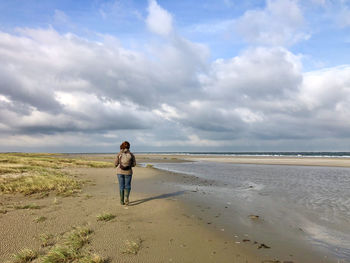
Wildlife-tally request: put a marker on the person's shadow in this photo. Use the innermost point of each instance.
(162, 196)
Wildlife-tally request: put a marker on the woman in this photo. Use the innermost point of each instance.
(124, 162)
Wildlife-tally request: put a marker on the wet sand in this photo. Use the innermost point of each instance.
(277, 160)
(250, 233)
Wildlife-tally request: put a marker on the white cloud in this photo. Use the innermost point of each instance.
(280, 23)
(159, 20)
(56, 88)
(257, 73)
(326, 89)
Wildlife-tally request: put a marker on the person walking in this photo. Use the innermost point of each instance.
(124, 162)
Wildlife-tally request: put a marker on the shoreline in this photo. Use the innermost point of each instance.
(263, 160)
(225, 214)
(170, 224)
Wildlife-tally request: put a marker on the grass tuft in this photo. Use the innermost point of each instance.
(132, 247)
(46, 240)
(60, 254)
(78, 238)
(71, 250)
(24, 256)
(105, 217)
(149, 165)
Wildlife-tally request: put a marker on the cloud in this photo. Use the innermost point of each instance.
(55, 84)
(280, 23)
(60, 83)
(159, 20)
(62, 92)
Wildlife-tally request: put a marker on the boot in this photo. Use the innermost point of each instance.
(127, 193)
(121, 192)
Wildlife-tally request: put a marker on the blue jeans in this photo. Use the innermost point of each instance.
(124, 181)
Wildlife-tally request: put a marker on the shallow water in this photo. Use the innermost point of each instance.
(315, 200)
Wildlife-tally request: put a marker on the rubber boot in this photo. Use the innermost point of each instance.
(127, 193)
(121, 192)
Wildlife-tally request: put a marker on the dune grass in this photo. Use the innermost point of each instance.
(105, 217)
(132, 247)
(46, 240)
(24, 256)
(41, 173)
(71, 249)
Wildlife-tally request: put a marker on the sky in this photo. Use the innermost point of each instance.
(209, 75)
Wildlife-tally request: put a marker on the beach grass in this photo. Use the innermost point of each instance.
(46, 240)
(105, 217)
(24, 256)
(41, 174)
(71, 249)
(78, 238)
(132, 247)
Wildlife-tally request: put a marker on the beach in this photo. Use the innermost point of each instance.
(164, 222)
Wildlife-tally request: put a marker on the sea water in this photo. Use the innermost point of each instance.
(315, 200)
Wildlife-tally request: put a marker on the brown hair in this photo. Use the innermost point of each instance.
(125, 145)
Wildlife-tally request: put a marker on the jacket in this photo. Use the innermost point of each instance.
(116, 163)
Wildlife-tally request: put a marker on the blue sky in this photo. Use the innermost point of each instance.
(175, 75)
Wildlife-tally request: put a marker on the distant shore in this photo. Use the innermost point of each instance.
(269, 160)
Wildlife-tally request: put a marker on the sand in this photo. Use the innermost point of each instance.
(161, 220)
(268, 160)
(156, 220)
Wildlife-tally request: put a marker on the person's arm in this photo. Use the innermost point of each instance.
(116, 162)
(133, 161)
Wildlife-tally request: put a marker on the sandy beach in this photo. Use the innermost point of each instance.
(162, 223)
(156, 224)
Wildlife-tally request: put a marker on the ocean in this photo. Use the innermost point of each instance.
(308, 203)
(286, 154)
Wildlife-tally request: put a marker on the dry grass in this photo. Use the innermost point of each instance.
(25, 161)
(71, 249)
(41, 184)
(68, 250)
(47, 240)
(40, 174)
(78, 238)
(105, 217)
(24, 256)
(132, 247)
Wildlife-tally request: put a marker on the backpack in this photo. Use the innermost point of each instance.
(125, 161)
